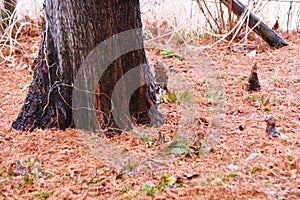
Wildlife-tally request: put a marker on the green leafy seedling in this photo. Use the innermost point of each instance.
(219, 183)
(29, 162)
(170, 97)
(242, 78)
(161, 186)
(171, 54)
(124, 190)
(265, 101)
(27, 179)
(147, 140)
(179, 147)
(255, 168)
(232, 174)
(149, 188)
(136, 195)
(11, 172)
(186, 96)
(269, 183)
(252, 98)
(168, 179)
(42, 194)
(150, 191)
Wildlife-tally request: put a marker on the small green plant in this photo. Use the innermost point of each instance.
(120, 175)
(11, 172)
(291, 158)
(232, 174)
(166, 181)
(125, 190)
(255, 168)
(161, 186)
(179, 146)
(207, 95)
(180, 97)
(149, 188)
(168, 53)
(242, 78)
(252, 98)
(42, 194)
(186, 96)
(2, 195)
(178, 61)
(150, 191)
(265, 101)
(94, 179)
(30, 170)
(169, 97)
(269, 183)
(218, 179)
(147, 140)
(169, 180)
(298, 193)
(251, 144)
(221, 177)
(136, 195)
(27, 179)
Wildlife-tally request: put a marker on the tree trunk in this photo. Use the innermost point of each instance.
(71, 33)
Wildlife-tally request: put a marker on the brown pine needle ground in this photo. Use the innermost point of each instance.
(245, 164)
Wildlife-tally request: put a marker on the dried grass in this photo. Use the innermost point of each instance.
(169, 18)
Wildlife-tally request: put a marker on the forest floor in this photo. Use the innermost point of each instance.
(245, 162)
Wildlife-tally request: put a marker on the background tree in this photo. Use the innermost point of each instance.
(71, 30)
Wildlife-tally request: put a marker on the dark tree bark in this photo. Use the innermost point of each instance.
(71, 31)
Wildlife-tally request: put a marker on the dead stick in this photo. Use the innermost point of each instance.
(265, 32)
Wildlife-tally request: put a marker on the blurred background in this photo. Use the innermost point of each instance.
(193, 15)
(168, 19)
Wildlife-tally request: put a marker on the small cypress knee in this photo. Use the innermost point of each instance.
(253, 81)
